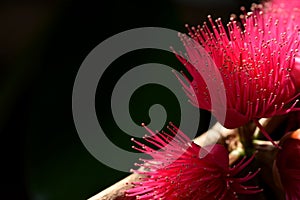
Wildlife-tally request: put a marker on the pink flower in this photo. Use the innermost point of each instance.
(184, 170)
(255, 60)
(288, 11)
(289, 6)
(287, 165)
(295, 73)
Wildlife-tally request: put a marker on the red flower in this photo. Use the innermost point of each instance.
(184, 170)
(289, 11)
(287, 165)
(292, 5)
(255, 60)
(295, 73)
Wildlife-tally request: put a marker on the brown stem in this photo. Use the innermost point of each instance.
(246, 133)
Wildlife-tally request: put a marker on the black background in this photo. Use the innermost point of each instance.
(42, 45)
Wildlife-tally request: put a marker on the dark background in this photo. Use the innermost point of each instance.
(42, 45)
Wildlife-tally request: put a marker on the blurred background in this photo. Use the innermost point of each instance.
(42, 45)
